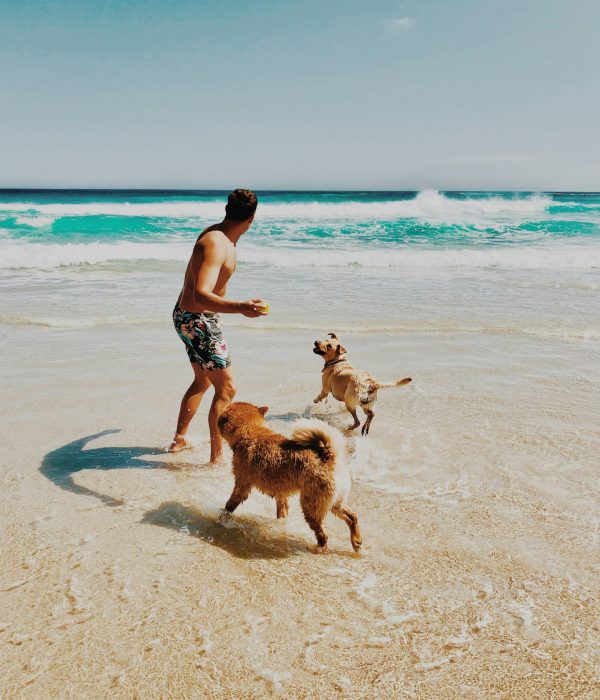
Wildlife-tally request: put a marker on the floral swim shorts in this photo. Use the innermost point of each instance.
(203, 338)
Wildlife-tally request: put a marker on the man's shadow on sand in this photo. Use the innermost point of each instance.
(243, 537)
(60, 464)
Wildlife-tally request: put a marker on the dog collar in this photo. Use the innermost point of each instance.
(329, 363)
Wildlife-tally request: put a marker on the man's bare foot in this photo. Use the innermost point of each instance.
(179, 443)
(217, 460)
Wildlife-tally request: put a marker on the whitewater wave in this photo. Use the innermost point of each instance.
(18, 255)
(559, 257)
(46, 256)
(36, 221)
(430, 205)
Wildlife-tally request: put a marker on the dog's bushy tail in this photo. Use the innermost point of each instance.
(389, 385)
(330, 446)
(321, 437)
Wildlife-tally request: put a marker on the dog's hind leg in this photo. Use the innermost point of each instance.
(314, 510)
(356, 421)
(350, 401)
(370, 413)
(282, 507)
(351, 520)
(317, 527)
(239, 495)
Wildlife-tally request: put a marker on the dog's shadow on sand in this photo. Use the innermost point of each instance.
(241, 536)
(60, 464)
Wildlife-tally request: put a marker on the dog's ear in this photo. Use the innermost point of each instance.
(332, 335)
(262, 410)
(339, 350)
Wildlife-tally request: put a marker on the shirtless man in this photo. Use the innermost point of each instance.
(197, 317)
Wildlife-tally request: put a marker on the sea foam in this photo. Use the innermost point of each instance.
(551, 256)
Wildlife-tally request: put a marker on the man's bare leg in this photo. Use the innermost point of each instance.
(189, 405)
(222, 380)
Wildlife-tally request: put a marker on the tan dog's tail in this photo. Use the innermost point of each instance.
(389, 385)
(324, 439)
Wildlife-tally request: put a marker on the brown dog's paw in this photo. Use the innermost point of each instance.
(321, 549)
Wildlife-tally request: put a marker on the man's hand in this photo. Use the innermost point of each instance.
(252, 308)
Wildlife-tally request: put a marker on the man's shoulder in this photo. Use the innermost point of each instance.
(213, 245)
(212, 238)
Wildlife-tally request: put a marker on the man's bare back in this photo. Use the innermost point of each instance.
(212, 263)
(212, 246)
(197, 316)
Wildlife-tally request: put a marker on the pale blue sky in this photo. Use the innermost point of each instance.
(348, 94)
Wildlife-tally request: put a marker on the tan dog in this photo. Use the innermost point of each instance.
(311, 462)
(352, 386)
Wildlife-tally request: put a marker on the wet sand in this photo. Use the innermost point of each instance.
(476, 492)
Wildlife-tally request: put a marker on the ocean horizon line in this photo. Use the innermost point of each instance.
(142, 191)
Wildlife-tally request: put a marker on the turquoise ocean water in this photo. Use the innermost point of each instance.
(362, 222)
(381, 259)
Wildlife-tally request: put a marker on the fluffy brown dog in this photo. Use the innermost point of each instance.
(311, 462)
(352, 386)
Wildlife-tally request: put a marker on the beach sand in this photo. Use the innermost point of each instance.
(476, 493)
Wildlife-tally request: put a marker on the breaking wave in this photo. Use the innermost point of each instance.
(430, 205)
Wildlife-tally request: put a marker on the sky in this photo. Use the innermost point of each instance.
(310, 94)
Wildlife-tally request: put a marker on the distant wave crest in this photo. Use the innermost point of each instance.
(429, 205)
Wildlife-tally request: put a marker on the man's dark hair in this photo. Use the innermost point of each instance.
(241, 205)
